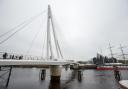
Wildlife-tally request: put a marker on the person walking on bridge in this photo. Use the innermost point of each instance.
(5, 55)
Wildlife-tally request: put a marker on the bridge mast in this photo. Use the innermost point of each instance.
(49, 46)
(48, 35)
(49, 43)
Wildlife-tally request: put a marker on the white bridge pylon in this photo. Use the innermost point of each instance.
(52, 42)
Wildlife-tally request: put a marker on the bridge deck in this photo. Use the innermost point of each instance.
(7, 62)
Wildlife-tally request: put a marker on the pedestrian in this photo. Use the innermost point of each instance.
(20, 57)
(116, 73)
(5, 55)
(12, 56)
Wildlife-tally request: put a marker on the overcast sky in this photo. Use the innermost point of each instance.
(84, 27)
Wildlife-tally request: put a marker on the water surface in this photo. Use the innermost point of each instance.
(28, 78)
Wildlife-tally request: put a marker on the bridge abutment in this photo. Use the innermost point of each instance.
(55, 71)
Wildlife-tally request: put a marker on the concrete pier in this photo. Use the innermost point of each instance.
(55, 71)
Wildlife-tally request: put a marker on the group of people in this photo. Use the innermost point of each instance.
(6, 56)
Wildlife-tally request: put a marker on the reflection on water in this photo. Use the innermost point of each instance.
(54, 85)
(5, 73)
(28, 78)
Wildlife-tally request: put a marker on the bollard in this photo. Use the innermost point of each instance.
(79, 75)
(43, 74)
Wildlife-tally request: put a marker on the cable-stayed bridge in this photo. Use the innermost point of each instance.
(51, 48)
(52, 56)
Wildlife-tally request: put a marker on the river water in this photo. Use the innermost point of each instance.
(28, 78)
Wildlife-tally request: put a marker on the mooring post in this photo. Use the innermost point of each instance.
(43, 74)
(55, 71)
(79, 75)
